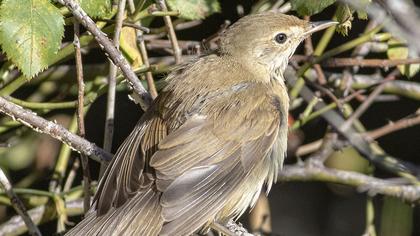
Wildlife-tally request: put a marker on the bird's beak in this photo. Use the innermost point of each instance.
(319, 25)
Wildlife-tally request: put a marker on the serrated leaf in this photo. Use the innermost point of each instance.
(310, 7)
(194, 9)
(97, 8)
(30, 33)
(344, 15)
(399, 50)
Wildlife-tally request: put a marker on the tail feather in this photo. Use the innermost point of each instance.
(139, 216)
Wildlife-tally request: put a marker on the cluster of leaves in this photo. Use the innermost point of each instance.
(344, 12)
(31, 30)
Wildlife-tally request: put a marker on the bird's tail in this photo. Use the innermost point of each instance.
(139, 216)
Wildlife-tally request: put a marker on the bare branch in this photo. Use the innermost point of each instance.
(80, 114)
(113, 53)
(362, 145)
(342, 62)
(171, 32)
(363, 183)
(56, 131)
(394, 126)
(41, 214)
(18, 205)
(366, 104)
(144, 56)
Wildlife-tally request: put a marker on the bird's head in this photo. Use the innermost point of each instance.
(268, 38)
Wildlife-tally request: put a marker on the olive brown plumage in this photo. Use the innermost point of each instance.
(211, 140)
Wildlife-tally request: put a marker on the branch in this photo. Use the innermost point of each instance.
(80, 114)
(41, 214)
(368, 150)
(56, 131)
(362, 182)
(394, 126)
(113, 53)
(112, 84)
(399, 17)
(343, 62)
(144, 56)
(171, 32)
(368, 102)
(18, 205)
(404, 88)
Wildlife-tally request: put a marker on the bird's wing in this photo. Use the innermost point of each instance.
(125, 176)
(199, 165)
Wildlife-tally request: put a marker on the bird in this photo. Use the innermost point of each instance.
(210, 143)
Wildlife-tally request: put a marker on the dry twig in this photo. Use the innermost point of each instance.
(113, 53)
(18, 205)
(171, 32)
(80, 115)
(56, 131)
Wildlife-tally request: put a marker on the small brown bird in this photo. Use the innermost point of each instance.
(211, 140)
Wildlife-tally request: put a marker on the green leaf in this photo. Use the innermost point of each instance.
(194, 9)
(345, 17)
(97, 8)
(399, 50)
(361, 12)
(310, 7)
(30, 33)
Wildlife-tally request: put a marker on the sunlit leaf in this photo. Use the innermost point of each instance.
(194, 9)
(344, 15)
(30, 33)
(399, 50)
(311, 7)
(97, 8)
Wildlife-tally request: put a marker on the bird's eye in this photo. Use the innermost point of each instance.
(281, 38)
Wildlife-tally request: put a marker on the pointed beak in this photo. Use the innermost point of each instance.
(319, 25)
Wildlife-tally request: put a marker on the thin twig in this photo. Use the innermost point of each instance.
(171, 32)
(144, 56)
(372, 135)
(326, 148)
(80, 115)
(394, 126)
(112, 84)
(409, 89)
(309, 50)
(39, 124)
(342, 62)
(365, 105)
(111, 50)
(128, 24)
(18, 204)
(364, 183)
(362, 145)
(399, 17)
(41, 214)
(71, 176)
